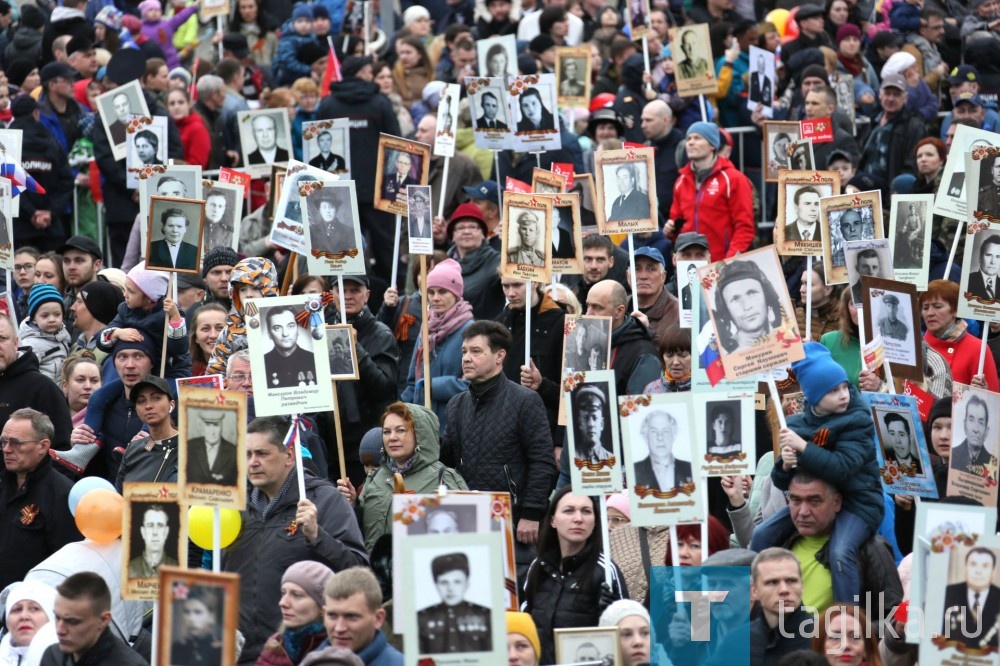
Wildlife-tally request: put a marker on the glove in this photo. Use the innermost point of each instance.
(608, 597)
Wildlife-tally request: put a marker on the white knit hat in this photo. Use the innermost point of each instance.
(620, 610)
(42, 594)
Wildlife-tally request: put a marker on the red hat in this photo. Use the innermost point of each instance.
(601, 101)
(467, 211)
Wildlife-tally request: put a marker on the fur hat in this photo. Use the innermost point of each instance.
(447, 275)
(151, 283)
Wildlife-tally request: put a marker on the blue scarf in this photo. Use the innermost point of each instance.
(301, 641)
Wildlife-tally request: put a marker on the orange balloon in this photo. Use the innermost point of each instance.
(99, 515)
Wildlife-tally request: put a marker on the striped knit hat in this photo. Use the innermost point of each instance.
(43, 293)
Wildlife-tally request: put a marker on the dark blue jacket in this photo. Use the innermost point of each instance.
(150, 324)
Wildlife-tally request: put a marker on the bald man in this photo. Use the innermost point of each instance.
(658, 128)
(633, 354)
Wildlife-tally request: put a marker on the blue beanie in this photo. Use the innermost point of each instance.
(370, 450)
(818, 373)
(40, 294)
(302, 10)
(707, 130)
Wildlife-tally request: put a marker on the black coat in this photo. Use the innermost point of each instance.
(370, 113)
(109, 649)
(44, 160)
(148, 465)
(907, 129)
(22, 385)
(501, 442)
(34, 520)
(767, 645)
(665, 163)
(633, 358)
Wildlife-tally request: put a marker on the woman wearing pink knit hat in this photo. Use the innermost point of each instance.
(448, 315)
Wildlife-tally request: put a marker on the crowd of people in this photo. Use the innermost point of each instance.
(92, 340)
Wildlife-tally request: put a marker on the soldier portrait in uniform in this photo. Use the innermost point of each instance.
(154, 538)
(890, 324)
(908, 242)
(747, 308)
(761, 88)
(211, 458)
(325, 158)
(693, 64)
(400, 176)
(989, 188)
(220, 213)
(592, 422)
(419, 208)
(453, 625)
(971, 421)
(343, 357)
(898, 442)
(525, 245)
(289, 362)
(331, 227)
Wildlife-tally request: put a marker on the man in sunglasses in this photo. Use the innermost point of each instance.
(35, 520)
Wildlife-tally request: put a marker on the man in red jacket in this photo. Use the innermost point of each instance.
(712, 197)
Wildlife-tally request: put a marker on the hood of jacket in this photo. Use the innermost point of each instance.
(255, 271)
(354, 91)
(66, 14)
(26, 362)
(25, 38)
(427, 429)
(632, 71)
(629, 331)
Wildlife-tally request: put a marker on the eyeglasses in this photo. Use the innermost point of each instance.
(16, 443)
(239, 379)
(23, 267)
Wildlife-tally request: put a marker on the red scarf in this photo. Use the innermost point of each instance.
(439, 328)
(852, 65)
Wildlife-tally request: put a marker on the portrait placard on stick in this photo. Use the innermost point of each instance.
(288, 230)
(847, 217)
(592, 432)
(952, 198)
(637, 17)
(116, 108)
(980, 283)
(401, 163)
(289, 360)
(797, 230)
(910, 237)
(211, 454)
(567, 241)
(420, 219)
(498, 56)
(333, 227)
(693, 62)
(752, 313)
(488, 106)
(866, 258)
(544, 181)
(762, 78)
(174, 234)
(573, 67)
(177, 181)
(800, 155)
(892, 312)
(657, 429)
(265, 139)
(327, 146)
(588, 644)
(777, 136)
(212, 602)
(343, 352)
(903, 459)
(145, 148)
(447, 121)
(154, 534)
(626, 185)
(527, 237)
(724, 434)
(531, 103)
(586, 348)
(973, 465)
(223, 215)
(707, 371)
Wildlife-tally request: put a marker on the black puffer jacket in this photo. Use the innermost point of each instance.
(500, 441)
(109, 649)
(557, 596)
(633, 357)
(266, 547)
(44, 160)
(22, 385)
(369, 112)
(547, 320)
(630, 100)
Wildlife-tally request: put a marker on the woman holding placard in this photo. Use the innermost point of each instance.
(947, 335)
(565, 584)
(301, 605)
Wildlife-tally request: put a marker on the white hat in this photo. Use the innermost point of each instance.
(415, 13)
(897, 62)
(620, 610)
(42, 594)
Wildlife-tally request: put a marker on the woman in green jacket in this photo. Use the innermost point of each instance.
(411, 447)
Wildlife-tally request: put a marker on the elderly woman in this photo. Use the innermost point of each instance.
(29, 622)
(81, 376)
(301, 605)
(412, 445)
(947, 335)
(675, 360)
(448, 315)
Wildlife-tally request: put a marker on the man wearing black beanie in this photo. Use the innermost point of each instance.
(95, 306)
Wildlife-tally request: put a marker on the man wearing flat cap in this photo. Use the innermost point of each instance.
(889, 324)
(454, 625)
(421, 225)
(590, 410)
(211, 459)
(812, 32)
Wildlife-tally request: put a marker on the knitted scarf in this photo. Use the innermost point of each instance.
(440, 327)
(852, 65)
(953, 333)
(301, 641)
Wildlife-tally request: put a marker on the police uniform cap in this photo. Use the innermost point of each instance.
(589, 391)
(890, 299)
(453, 562)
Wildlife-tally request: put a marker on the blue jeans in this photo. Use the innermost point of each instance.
(849, 532)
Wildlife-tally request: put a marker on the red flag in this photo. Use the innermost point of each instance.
(332, 72)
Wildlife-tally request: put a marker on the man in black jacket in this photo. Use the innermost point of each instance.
(497, 435)
(42, 218)
(812, 32)
(34, 514)
(369, 113)
(83, 613)
(892, 144)
(660, 132)
(633, 356)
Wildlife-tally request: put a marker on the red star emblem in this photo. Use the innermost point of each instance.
(220, 399)
(181, 590)
(164, 492)
(856, 201)
(630, 154)
(816, 177)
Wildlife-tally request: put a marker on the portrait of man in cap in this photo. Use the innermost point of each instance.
(889, 324)
(421, 224)
(330, 226)
(287, 364)
(525, 250)
(591, 423)
(661, 470)
(210, 458)
(155, 529)
(454, 624)
(747, 307)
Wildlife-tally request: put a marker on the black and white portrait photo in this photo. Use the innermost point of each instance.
(197, 626)
(667, 463)
(974, 427)
(625, 193)
(535, 112)
(693, 62)
(572, 72)
(447, 519)
(972, 600)
(984, 270)
(724, 429)
(402, 169)
(446, 131)
(146, 147)
(762, 79)
(746, 306)
(175, 234)
(868, 258)
(587, 345)
(329, 217)
(176, 182)
(777, 136)
(526, 241)
(588, 645)
(326, 149)
(564, 229)
(592, 415)
(154, 538)
(343, 355)
(989, 186)
(222, 211)
(852, 224)
(532, 105)
(457, 620)
(265, 139)
(419, 211)
(489, 110)
(638, 16)
(892, 320)
(211, 442)
(116, 108)
(802, 211)
(908, 236)
(801, 158)
(288, 349)
(497, 56)
(899, 442)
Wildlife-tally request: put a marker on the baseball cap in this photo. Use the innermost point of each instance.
(689, 238)
(81, 243)
(971, 98)
(963, 74)
(485, 190)
(893, 81)
(55, 70)
(159, 383)
(651, 253)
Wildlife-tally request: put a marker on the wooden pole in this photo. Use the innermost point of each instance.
(286, 282)
(172, 290)
(336, 403)
(425, 335)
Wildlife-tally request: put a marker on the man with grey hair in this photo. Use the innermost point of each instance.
(211, 95)
(35, 520)
(660, 470)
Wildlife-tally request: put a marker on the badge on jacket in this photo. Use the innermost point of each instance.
(29, 513)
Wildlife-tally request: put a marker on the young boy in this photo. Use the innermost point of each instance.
(43, 329)
(254, 277)
(294, 34)
(140, 318)
(833, 439)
